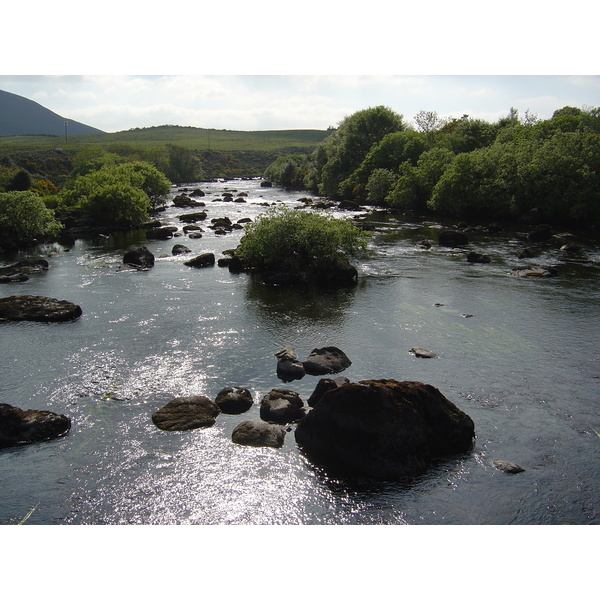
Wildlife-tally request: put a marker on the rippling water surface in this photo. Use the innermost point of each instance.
(519, 356)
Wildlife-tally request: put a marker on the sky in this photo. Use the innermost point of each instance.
(266, 65)
(262, 102)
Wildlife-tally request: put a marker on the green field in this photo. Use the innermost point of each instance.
(193, 138)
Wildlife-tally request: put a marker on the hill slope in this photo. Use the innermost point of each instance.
(21, 116)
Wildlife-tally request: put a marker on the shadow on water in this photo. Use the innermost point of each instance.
(302, 304)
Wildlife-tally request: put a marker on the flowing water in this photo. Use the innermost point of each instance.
(520, 356)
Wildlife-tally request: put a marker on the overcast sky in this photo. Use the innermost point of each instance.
(266, 65)
(119, 102)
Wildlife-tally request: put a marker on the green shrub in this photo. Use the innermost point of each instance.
(299, 241)
(24, 217)
(120, 195)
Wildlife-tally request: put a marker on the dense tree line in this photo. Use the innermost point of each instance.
(515, 168)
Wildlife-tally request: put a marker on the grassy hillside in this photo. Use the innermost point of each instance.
(193, 138)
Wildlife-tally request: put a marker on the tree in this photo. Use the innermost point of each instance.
(118, 195)
(379, 184)
(24, 217)
(390, 152)
(184, 166)
(429, 122)
(348, 145)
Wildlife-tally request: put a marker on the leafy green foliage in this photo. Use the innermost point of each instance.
(24, 217)
(120, 195)
(287, 171)
(299, 241)
(183, 164)
(379, 184)
(347, 147)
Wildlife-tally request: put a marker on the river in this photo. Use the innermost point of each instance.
(520, 356)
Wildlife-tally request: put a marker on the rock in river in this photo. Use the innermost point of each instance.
(234, 400)
(184, 413)
(203, 260)
(289, 367)
(258, 433)
(27, 426)
(385, 429)
(422, 353)
(37, 308)
(508, 467)
(281, 406)
(140, 258)
(323, 361)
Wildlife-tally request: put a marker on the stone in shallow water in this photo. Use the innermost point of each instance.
(323, 361)
(189, 412)
(27, 426)
(422, 353)
(37, 308)
(234, 400)
(258, 433)
(384, 429)
(508, 467)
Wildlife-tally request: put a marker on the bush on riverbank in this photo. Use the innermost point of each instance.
(118, 195)
(465, 168)
(24, 218)
(299, 242)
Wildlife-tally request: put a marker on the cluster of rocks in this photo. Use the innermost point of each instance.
(321, 361)
(20, 271)
(384, 429)
(541, 236)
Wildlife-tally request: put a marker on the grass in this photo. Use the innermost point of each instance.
(193, 138)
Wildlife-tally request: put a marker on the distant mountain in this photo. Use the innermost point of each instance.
(21, 116)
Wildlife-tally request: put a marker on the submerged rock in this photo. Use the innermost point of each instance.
(384, 429)
(189, 412)
(37, 308)
(422, 353)
(27, 426)
(535, 271)
(508, 467)
(258, 434)
(476, 257)
(323, 361)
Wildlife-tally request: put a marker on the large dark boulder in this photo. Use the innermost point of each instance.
(384, 429)
(234, 400)
(281, 406)
(189, 412)
(323, 361)
(259, 433)
(27, 426)
(37, 308)
(140, 258)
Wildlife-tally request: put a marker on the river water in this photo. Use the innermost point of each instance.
(520, 356)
